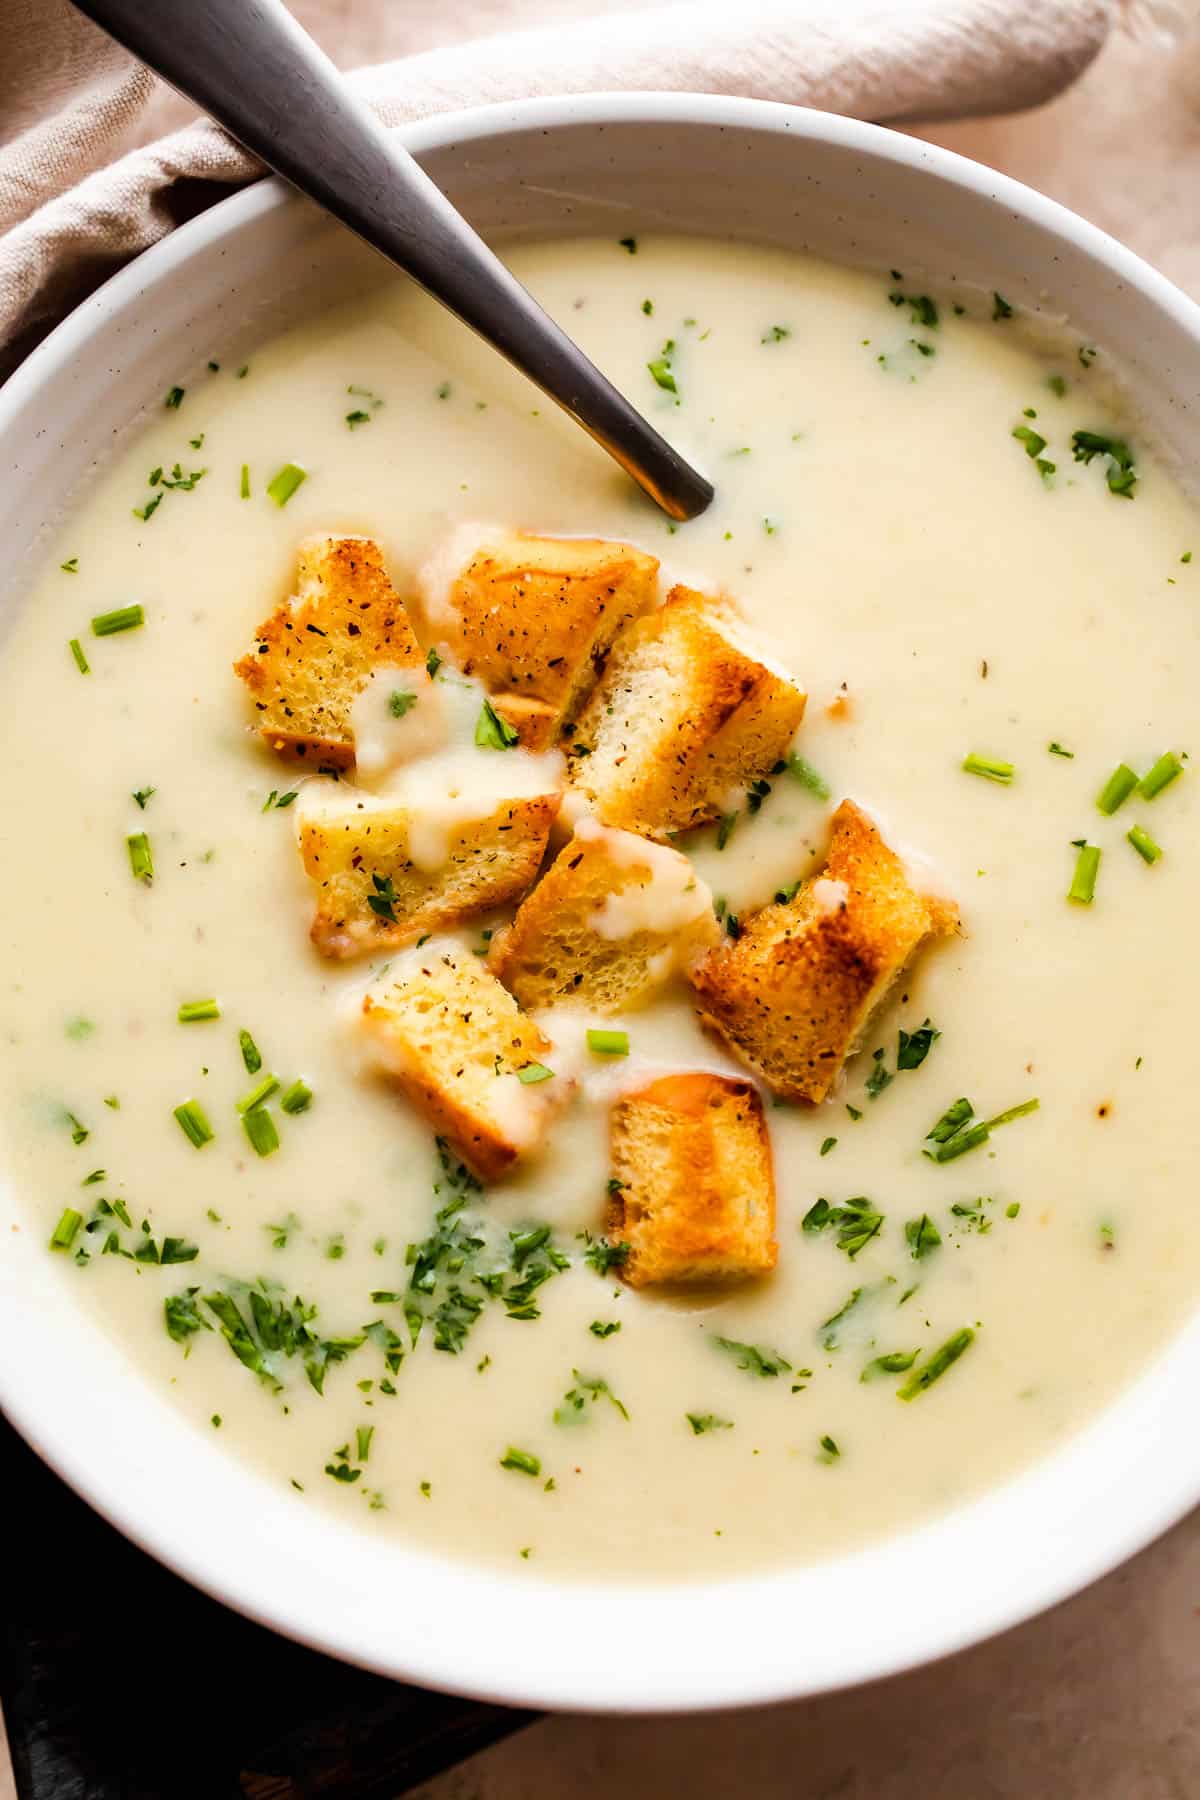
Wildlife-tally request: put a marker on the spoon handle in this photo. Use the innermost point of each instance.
(252, 68)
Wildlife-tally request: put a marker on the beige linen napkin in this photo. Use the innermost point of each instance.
(71, 102)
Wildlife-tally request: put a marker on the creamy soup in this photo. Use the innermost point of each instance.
(986, 628)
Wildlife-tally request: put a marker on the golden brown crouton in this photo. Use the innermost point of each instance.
(686, 710)
(533, 618)
(696, 1193)
(454, 1042)
(386, 873)
(794, 993)
(318, 650)
(613, 917)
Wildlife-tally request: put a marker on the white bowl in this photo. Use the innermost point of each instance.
(610, 164)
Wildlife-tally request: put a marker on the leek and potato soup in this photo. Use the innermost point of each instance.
(579, 1040)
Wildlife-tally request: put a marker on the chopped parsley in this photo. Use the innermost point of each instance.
(916, 1045)
(857, 1222)
(752, 1359)
(1120, 470)
(382, 901)
(603, 1255)
(702, 1422)
(1001, 308)
(142, 796)
(604, 1328)
(896, 1362)
(493, 732)
(827, 1145)
(922, 1236)
(1058, 750)
(583, 1396)
(829, 1329)
(174, 398)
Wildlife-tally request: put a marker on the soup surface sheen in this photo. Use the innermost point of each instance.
(903, 553)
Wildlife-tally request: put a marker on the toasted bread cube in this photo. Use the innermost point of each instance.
(533, 617)
(686, 710)
(696, 1193)
(454, 1041)
(612, 919)
(317, 651)
(794, 994)
(385, 873)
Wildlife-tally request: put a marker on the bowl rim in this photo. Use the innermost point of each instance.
(1134, 1501)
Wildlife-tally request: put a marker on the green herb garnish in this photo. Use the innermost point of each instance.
(191, 1012)
(522, 1461)
(297, 1098)
(702, 1422)
(1161, 775)
(754, 1360)
(64, 1233)
(141, 857)
(1083, 882)
(125, 618)
(916, 1045)
(922, 1236)
(493, 732)
(283, 485)
(608, 1043)
(1116, 789)
(194, 1123)
(988, 767)
(1144, 844)
(261, 1129)
(81, 661)
(937, 1364)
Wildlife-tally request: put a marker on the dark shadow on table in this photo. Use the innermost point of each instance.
(121, 1682)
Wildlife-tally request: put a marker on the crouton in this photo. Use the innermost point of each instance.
(533, 617)
(455, 1041)
(686, 710)
(794, 994)
(613, 917)
(386, 872)
(318, 650)
(693, 1191)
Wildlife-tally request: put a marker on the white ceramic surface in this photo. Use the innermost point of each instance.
(612, 164)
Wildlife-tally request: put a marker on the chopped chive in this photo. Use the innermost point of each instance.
(608, 1043)
(807, 776)
(1058, 750)
(433, 662)
(828, 1145)
(251, 1055)
(1083, 882)
(244, 487)
(174, 398)
(988, 767)
(534, 1072)
(1057, 385)
(937, 1364)
(282, 486)
(194, 1123)
(63, 1235)
(521, 1460)
(81, 661)
(259, 1127)
(357, 417)
(1161, 775)
(1012, 1210)
(1116, 789)
(141, 857)
(1013, 1112)
(260, 1092)
(1144, 844)
(297, 1098)
(125, 618)
(192, 1011)
(959, 1144)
